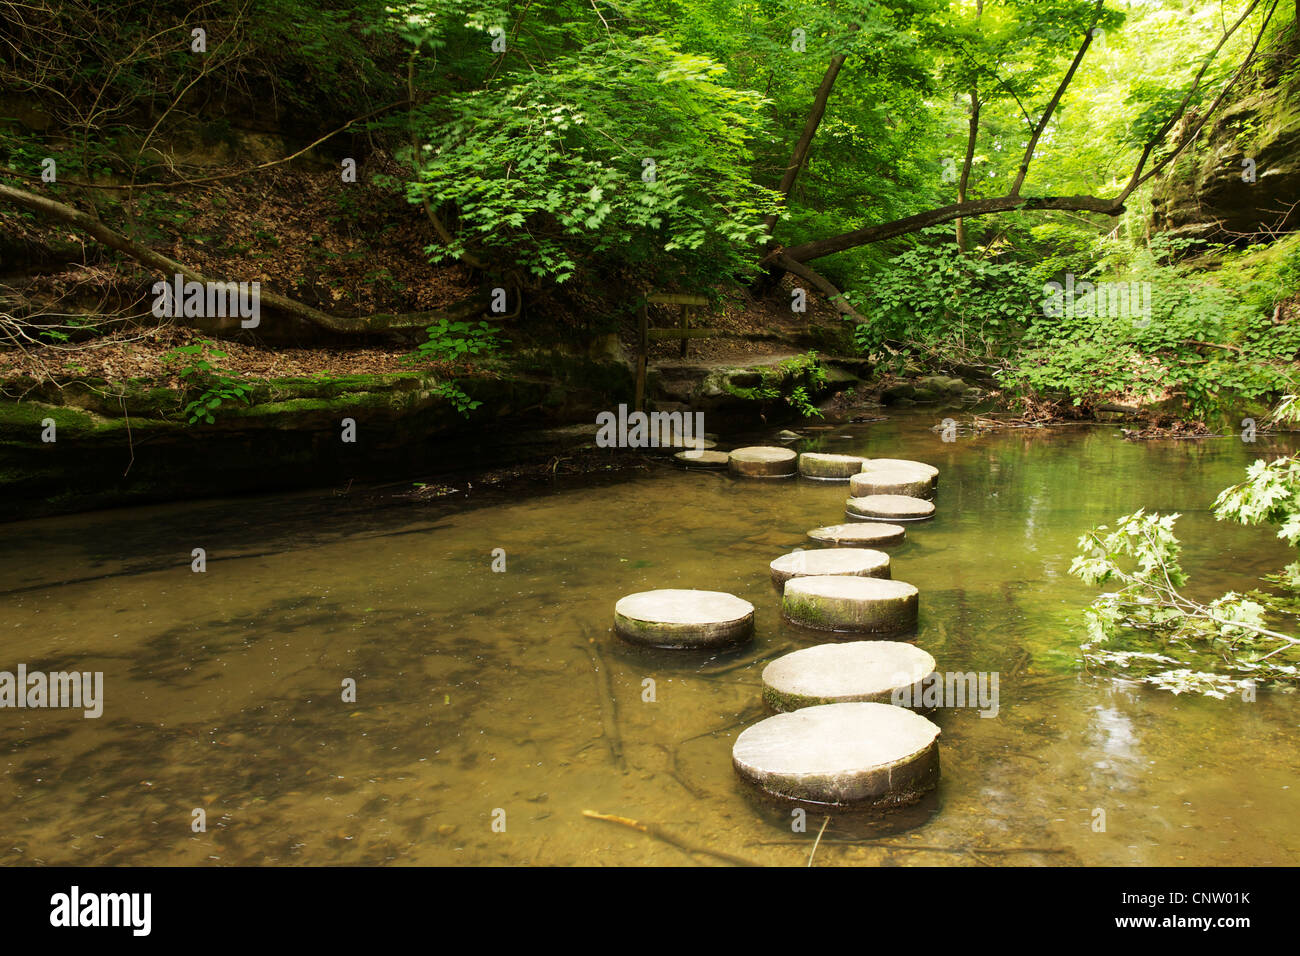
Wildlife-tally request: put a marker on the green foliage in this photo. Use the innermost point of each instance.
(450, 341)
(627, 155)
(456, 395)
(454, 342)
(935, 296)
(1210, 341)
(210, 385)
(1270, 495)
(1150, 630)
(790, 382)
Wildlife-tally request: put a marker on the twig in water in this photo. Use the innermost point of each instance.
(672, 839)
(818, 841)
(675, 772)
(608, 708)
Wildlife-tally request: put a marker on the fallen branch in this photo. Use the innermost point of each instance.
(818, 841)
(834, 295)
(608, 711)
(672, 839)
(381, 322)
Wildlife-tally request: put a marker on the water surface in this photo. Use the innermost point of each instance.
(480, 692)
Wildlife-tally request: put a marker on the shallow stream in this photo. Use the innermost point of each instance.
(481, 695)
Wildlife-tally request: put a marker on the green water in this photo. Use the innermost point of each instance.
(480, 691)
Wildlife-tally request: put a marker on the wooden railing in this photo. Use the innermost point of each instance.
(646, 335)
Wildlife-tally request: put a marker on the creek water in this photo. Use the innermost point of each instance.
(493, 708)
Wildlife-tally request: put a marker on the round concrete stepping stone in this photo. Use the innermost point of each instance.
(857, 754)
(763, 461)
(844, 603)
(860, 534)
(841, 673)
(910, 482)
(703, 459)
(859, 562)
(678, 442)
(676, 618)
(873, 463)
(829, 467)
(890, 508)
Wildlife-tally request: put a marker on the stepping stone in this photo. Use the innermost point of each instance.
(858, 562)
(889, 508)
(829, 467)
(678, 442)
(860, 534)
(842, 673)
(844, 603)
(763, 461)
(873, 463)
(675, 618)
(703, 459)
(857, 754)
(910, 482)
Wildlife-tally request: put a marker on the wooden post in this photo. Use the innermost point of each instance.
(642, 347)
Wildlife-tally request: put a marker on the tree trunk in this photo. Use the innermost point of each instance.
(971, 136)
(810, 125)
(934, 217)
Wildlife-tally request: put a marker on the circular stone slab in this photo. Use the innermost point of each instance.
(843, 603)
(855, 754)
(874, 463)
(841, 673)
(675, 618)
(860, 534)
(763, 461)
(909, 482)
(703, 459)
(859, 562)
(890, 508)
(678, 442)
(829, 467)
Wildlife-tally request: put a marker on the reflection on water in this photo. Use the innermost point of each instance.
(485, 695)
